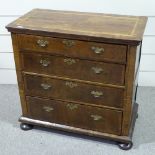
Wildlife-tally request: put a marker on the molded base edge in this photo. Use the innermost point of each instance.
(117, 138)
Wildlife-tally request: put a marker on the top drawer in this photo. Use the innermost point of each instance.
(73, 48)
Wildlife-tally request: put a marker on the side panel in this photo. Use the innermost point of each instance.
(129, 87)
(19, 74)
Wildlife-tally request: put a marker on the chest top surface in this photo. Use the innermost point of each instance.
(80, 25)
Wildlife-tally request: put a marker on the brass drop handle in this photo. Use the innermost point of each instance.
(96, 94)
(48, 109)
(45, 86)
(97, 70)
(68, 43)
(71, 106)
(71, 84)
(42, 43)
(96, 117)
(44, 62)
(97, 50)
(69, 61)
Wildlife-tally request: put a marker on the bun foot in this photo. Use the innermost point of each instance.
(25, 126)
(137, 116)
(125, 146)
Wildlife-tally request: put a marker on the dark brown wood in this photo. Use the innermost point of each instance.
(73, 91)
(113, 137)
(78, 71)
(73, 68)
(76, 115)
(110, 52)
(75, 80)
(129, 83)
(80, 25)
(19, 73)
(120, 138)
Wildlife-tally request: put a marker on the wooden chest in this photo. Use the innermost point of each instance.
(78, 71)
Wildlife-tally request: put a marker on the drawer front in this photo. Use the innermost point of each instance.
(74, 68)
(76, 115)
(74, 48)
(73, 91)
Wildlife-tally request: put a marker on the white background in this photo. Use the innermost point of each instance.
(12, 9)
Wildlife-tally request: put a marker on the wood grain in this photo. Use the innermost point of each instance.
(114, 137)
(63, 113)
(73, 91)
(73, 68)
(129, 83)
(90, 26)
(19, 74)
(81, 49)
(54, 57)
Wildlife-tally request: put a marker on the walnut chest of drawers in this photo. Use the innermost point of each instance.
(78, 71)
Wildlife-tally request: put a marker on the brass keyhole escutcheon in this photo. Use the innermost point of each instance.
(72, 106)
(71, 84)
(42, 43)
(69, 61)
(97, 94)
(44, 62)
(68, 43)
